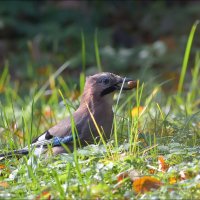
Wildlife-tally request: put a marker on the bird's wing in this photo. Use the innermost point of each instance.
(60, 133)
(56, 136)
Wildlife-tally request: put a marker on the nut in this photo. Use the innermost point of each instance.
(132, 84)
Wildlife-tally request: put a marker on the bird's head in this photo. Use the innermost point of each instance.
(104, 84)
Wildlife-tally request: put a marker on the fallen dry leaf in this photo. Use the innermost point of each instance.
(136, 111)
(4, 169)
(44, 195)
(145, 184)
(4, 184)
(2, 166)
(152, 171)
(48, 112)
(163, 166)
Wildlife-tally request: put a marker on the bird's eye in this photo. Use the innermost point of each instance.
(105, 81)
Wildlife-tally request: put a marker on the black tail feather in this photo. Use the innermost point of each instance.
(14, 153)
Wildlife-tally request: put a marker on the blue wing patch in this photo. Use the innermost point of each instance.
(57, 141)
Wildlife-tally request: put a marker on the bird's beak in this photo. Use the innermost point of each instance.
(125, 84)
(120, 83)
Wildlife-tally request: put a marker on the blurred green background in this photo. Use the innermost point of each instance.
(143, 38)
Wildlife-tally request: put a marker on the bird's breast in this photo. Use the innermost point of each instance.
(104, 120)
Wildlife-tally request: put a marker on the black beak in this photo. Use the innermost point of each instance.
(125, 84)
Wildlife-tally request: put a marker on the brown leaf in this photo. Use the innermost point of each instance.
(163, 166)
(4, 169)
(4, 184)
(2, 166)
(145, 184)
(152, 171)
(44, 195)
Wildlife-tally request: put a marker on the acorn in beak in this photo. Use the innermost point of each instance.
(127, 84)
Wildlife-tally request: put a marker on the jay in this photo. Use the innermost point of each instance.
(92, 120)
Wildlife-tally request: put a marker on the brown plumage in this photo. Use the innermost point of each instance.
(96, 104)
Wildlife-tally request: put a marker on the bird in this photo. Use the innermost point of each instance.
(90, 123)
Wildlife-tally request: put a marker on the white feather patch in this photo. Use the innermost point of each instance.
(35, 157)
(42, 137)
(38, 151)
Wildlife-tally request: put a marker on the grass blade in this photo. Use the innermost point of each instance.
(96, 46)
(186, 57)
(83, 51)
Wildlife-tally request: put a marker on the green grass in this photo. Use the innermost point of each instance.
(186, 57)
(169, 126)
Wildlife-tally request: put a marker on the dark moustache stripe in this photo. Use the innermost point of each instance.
(108, 90)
